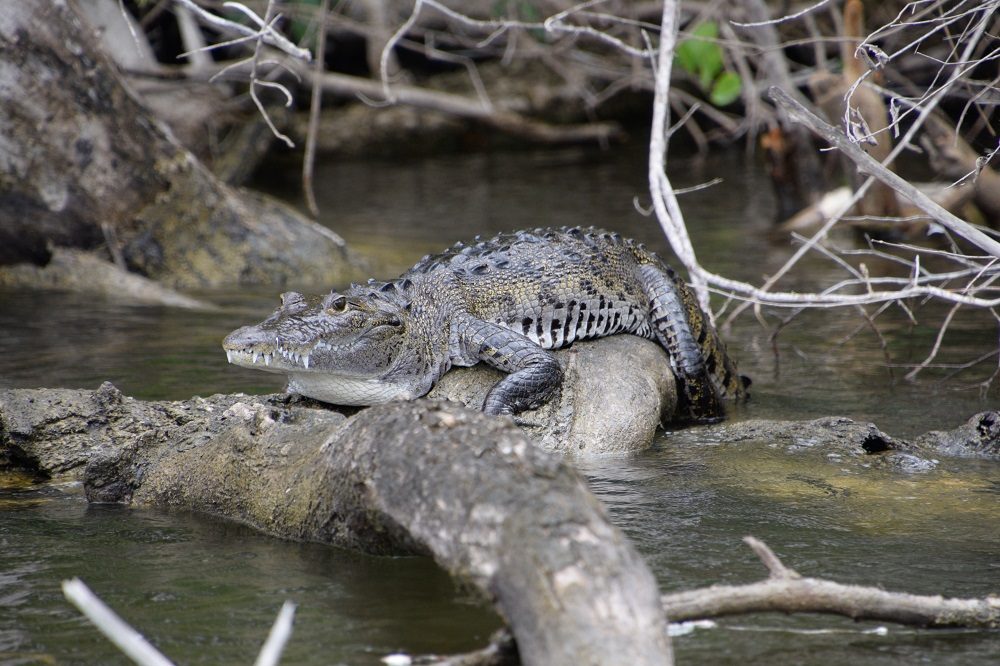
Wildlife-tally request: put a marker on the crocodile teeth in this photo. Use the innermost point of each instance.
(255, 355)
(305, 361)
(267, 359)
(229, 356)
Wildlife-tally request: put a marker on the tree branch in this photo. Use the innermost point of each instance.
(784, 591)
(870, 166)
(465, 107)
(668, 211)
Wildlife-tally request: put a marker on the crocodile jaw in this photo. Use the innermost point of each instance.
(258, 360)
(345, 390)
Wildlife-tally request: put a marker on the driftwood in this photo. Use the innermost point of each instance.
(82, 155)
(952, 199)
(418, 477)
(785, 591)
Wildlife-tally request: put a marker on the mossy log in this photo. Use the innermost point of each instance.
(419, 477)
(83, 161)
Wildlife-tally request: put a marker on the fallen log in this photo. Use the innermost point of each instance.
(432, 478)
(419, 477)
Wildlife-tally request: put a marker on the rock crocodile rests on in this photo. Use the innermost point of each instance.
(506, 302)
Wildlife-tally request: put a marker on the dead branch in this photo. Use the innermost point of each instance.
(671, 218)
(668, 210)
(785, 591)
(315, 103)
(464, 107)
(870, 166)
(265, 30)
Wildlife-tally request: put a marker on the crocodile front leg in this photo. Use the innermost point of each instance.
(534, 376)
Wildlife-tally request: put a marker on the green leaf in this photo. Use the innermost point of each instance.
(726, 89)
(699, 56)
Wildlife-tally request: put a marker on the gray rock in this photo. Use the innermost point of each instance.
(84, 272)
(831, 432)
(979, 436)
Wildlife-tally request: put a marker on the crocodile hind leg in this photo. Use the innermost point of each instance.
(680, 326)
(534, 376)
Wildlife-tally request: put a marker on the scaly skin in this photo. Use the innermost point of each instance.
(505, 301)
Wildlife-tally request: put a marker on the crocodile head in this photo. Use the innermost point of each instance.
(339, 348)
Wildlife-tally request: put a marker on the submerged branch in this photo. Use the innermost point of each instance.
(784, 591)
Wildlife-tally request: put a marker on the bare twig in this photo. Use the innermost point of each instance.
(465, 107)
(870, 166)
(782, 19)
(267, 33)
(255, 81)
(668, 211)
(116, 630)
(784, 591)
(281, 631)
(139, 650)
(315, 104)
(770, 560)
(194, 43)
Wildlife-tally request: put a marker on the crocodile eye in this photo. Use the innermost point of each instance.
(337, 305)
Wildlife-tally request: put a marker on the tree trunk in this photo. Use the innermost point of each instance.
(416, 477)
(77, 150)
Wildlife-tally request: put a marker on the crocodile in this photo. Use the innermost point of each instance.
(505, 301)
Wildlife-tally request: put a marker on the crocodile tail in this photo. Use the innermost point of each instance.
(705, 372)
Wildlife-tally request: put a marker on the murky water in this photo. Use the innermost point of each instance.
(206, 591)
